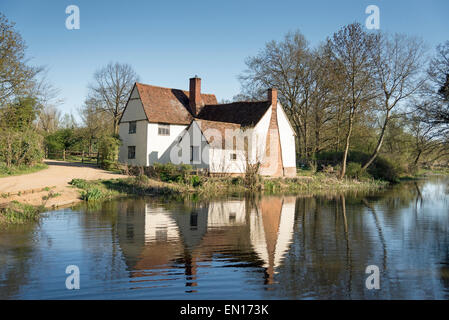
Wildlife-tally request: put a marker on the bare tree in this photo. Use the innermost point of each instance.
(351, 49)
(397, 66)
(95, 123)
(49, 119)
(285, 65)
(436, 107)
(111, 89)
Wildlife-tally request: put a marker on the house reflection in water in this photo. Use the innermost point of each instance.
(155, 239)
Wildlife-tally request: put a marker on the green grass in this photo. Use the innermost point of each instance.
(319, 183)
(425, 172)
(211, 187)
(19, 170)
(19, 213)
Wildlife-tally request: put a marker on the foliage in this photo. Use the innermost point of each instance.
(19, 148)
(21, 169)
(166, 172)
(15, 74)
(19, 213)
(79, 183)
(381, 168)
(195, 181)
(108, 152)
(91, 194)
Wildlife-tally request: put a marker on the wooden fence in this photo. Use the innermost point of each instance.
(83, 157)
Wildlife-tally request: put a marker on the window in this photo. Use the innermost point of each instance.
(131, 152)
(194, 153)
(132, 127)
(233, 156)
(164, 129)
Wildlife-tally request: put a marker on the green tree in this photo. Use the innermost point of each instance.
(15, 74)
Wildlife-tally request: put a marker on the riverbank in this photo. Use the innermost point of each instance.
(49, 186)
(211, 187)
(64, 184)
(203, 188)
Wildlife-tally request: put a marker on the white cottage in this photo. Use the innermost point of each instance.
(161, 125)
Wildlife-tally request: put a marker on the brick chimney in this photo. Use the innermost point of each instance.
(195, 101)
(273, 97)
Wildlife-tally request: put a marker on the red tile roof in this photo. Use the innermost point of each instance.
(166, 105)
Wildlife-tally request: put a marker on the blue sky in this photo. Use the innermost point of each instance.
(167, 42)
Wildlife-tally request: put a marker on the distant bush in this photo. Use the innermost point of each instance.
(354, 171)
(381, 168)
(108, 152)
(237, 181)
(195, 181)
(165, 172)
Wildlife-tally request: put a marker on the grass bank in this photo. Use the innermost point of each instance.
(210, 187)
(422, 173)
(22, 169)
(19, 213)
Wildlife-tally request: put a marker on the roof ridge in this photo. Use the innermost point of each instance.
(229, 103)
(185, 91)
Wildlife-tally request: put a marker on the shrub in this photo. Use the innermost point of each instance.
(237, 181)
(108, 152)
(91, 194)
(79, 183)
(381, 168)
(195, 181)
(168, 172)
(354, 171)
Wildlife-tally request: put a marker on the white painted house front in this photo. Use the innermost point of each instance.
(161, 125)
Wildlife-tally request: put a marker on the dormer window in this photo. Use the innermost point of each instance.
(132, 127)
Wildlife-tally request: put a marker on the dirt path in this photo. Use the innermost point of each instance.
(30, 188)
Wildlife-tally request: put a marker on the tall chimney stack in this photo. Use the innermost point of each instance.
(273, 97)
(195, 101)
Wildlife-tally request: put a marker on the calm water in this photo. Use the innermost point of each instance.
(266, 248)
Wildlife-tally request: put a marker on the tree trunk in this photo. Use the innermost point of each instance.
(379, 142)
(345, 154)
(116, 120)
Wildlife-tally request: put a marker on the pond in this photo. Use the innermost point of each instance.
(265, 247)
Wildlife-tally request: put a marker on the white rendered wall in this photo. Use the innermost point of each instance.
(287, 138)
(138, 139)
(181, 152)
(261, 131)
(159, 147)
(134, 112)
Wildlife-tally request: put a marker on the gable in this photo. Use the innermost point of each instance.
(134, 109)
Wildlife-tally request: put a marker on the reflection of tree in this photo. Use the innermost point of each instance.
(17, 255)
(379, 230)
(348, 245)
